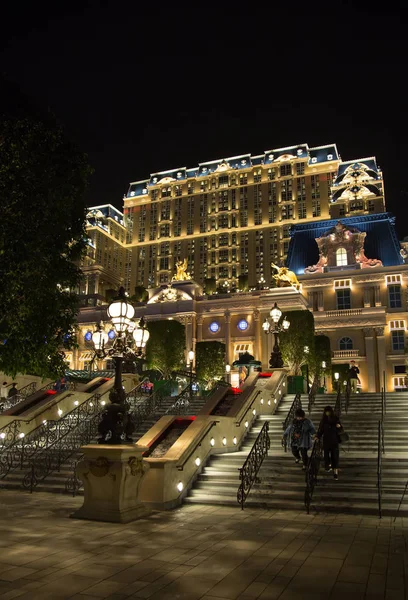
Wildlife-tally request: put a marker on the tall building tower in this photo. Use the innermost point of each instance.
(231, 217)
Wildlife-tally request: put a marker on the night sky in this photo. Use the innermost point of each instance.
(149, 89)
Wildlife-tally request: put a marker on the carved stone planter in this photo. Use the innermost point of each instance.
(111, 476)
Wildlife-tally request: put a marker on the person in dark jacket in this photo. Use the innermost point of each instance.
(13, 391)
(329, 428)
(300, 433)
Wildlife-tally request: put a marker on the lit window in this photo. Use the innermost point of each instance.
(346, 343)
(243, 324)
(394, 295)
(343, 299)
(341, 257)
(398, 340)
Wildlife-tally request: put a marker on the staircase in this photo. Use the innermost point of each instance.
(282, 481)
(64, 455)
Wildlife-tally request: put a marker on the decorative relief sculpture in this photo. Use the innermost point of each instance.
(181, 267)
(285, 278)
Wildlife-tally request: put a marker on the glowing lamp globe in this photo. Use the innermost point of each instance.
(141, 334)
(100, 338)
(191, 355)
(276, 313)
(266, 326)
(121, 312)
(285, 324)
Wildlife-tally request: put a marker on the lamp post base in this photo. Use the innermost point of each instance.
(112, 477)
(276, 360)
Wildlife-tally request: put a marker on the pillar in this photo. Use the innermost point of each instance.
(381, 354)
(257, 325)
(320, 303)
(228, 353)
(96, 284)
(370, 357)
(199, 321)
(377, 295)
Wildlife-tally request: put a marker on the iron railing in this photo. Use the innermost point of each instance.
(296, 404)
(248, 473)
(312, 395)
(380, 452)
(47, 435)
(338, 405)
(49, 459)
(27, 390)
(347, 395)
(312, 471)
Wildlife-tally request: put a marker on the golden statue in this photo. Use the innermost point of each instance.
(181, 275)
(285, 278)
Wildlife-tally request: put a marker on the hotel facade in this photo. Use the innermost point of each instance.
(234, 220)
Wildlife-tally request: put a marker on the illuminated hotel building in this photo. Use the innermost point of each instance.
(232, 216)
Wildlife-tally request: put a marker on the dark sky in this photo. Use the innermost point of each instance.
(149, 89)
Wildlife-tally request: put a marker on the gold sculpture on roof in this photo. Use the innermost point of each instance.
(285, 278)
(181, 267)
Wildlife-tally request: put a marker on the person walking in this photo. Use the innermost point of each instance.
(329, 428)
(353, 376)
(300, 432)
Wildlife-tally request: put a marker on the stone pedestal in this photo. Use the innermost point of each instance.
(111, 477)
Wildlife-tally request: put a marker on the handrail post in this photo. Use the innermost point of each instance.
(384, 388)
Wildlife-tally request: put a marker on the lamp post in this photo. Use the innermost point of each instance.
(129, 344)
(227, 371)
(306, 351)
(276, 361)
(324, 374)
(191, 359)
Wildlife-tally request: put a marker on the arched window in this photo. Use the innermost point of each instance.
(346, 343)
(341, 257)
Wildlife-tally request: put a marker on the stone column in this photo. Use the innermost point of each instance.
(320, 303)
(96, 284)
(228, 352)
(381, 355)
(112, 477)
(377, 295)
(199, 321)
(370, 357)
(257, 325)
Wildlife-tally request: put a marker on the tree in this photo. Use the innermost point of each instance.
(320, 354)
(210, 285)
(43, 178)
(141, 294)
(294, 341)
(165, 347)
(210, 360)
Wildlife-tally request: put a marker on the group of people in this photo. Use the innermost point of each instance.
(301, 433)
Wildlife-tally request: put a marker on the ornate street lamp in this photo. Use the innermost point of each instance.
(276, 361)
(306, 351)
(130, 341)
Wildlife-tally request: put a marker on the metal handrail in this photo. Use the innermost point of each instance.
(380, 452)
(296, 404)
(312, 471)
(27, 390)
(347, 395)
(249, 470)
(26, 447)
(338, 406)
(312, 395)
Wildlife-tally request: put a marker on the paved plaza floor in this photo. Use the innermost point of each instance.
(197, 552)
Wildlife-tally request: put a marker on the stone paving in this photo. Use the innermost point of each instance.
(197, 552)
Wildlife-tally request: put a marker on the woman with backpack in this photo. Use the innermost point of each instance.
(330, 428)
